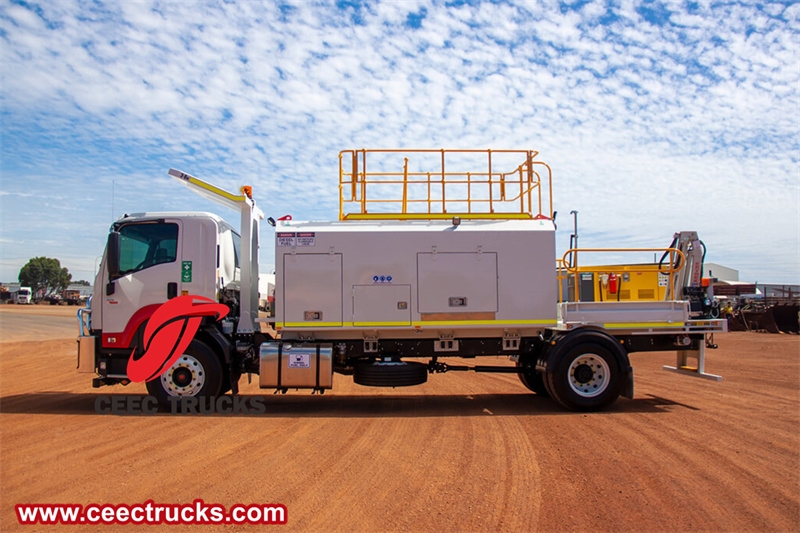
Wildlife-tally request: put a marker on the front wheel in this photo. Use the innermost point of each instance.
(586, 377)
(197, 372)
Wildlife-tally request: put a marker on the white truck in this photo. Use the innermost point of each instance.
(436, 254)
(23, 295)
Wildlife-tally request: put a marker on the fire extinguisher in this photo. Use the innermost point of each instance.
(612, 283)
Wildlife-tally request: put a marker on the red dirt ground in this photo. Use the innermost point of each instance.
(464, 452)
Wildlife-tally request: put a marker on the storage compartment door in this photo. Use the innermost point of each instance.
(381, 305)
(312, 290)
(462, 284)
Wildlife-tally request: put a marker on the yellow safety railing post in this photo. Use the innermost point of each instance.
(354, 178)
(429, 193)
(444, 203)
(363, 181)
(405, 185)
(491, 201)
(469, 192)
(341, 189)
(529, 165)
(550, 191)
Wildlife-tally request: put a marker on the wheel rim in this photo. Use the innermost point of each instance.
(184, 378)
(589, 375)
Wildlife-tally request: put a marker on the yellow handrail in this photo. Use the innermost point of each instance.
(566, 268)
(390, 190)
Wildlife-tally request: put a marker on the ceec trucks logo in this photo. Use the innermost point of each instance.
(168, 332)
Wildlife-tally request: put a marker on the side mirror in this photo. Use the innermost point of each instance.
(271, 221)
(112, 255)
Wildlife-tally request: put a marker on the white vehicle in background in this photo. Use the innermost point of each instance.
(22, 296)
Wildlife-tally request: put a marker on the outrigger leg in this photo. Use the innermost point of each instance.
(682, 364)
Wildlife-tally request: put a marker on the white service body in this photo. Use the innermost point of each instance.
(425, 279)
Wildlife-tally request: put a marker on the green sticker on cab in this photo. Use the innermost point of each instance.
(186, 272)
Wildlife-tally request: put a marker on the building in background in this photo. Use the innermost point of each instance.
(722, 273)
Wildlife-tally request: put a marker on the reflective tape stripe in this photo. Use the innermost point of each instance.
(551, 322)
(309, 324)
(216, 190)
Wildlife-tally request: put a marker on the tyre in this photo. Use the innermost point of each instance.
(586, 376)
(390, 374)
(225, 387)
(534, 381)
(197, 372)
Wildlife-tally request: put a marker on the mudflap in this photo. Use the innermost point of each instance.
(627, 387)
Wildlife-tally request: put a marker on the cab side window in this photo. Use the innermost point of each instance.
(237, 247)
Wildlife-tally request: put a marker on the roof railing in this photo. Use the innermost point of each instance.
(406, 184)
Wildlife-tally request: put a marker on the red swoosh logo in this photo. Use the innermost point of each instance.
(168, 332)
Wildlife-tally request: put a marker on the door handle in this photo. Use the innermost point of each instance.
(172, 290)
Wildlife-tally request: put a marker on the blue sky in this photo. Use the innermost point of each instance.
(655, 116)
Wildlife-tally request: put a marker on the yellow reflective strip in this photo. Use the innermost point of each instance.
(551, 322)
(311, 324)
(378, 324)
(637, 325)
(216, 190)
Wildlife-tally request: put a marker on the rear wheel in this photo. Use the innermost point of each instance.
(533, 380)
(197, 372)
(586, 377)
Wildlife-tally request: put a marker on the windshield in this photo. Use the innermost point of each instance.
(145, 245)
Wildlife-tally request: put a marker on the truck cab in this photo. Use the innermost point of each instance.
(22, 296)
(149, 259)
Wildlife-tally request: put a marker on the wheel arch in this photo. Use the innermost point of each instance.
(217, 342)
(564, 341)
(208, 334)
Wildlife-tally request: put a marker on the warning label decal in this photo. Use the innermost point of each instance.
(306, 238)
(286, 239)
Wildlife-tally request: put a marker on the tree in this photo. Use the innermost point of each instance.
(44, 274)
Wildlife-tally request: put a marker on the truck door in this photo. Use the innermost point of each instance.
(150, 274)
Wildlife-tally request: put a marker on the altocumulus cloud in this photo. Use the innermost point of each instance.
(655, 116)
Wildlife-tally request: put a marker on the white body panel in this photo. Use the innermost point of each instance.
(400, 279)
(625, 315)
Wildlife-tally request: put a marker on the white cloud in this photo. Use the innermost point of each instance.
(659, 123)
